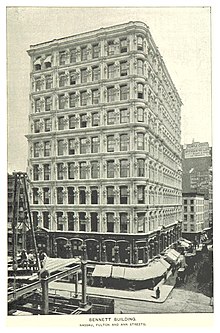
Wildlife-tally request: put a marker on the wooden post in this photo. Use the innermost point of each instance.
(84, 276)
(45, 298)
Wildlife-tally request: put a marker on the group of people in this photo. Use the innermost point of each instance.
(28, 260)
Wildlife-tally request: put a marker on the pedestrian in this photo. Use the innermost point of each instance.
(24, 259)
(43, 259)
(158, 292)
(31, 260)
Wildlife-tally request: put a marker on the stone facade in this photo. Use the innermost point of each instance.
(104, 142)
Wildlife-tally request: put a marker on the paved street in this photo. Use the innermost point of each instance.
(179, 301)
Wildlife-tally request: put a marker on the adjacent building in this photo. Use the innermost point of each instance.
(194, 212)
(104, 146)
(197, 172)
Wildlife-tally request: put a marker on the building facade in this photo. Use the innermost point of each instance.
(194, 214)
(104, 145)
(197, 172)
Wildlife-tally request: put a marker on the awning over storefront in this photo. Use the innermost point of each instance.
(172, 256)
(165, 263)
(102, 271)
(118, 272)
(153, 270)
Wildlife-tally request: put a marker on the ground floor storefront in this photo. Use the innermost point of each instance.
(130, 249)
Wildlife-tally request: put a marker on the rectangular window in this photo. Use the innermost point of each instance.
(71, 167)
(83, 98)
(124, 92)
(192, 209)
(47, 125)
(185, 218)
(71, 146)
(70, 216)
(59, 195)
(140, 141)
(62, 80)
(37, 105)
(35, 219)
(95, 119)
(72, 55)
(83, 75)
(48, 103)
(59, 221)
(95, 144)
(185, 202)
(110, 143)
(140, 115)
(123, 142)
(192, 218)
(124, 116)
(123, 194)
(46, 220)
(35, 195)
(95, 51)
(110, 222)
(36, 149)
(140, 194)
(111, 47)
(140, 67)
(60, 147)
(72, 77)
(123, 222)
(36, 172)
(95, 96)
(140, 43)
(123, 45)
(124, 171)
(72, 122)
(60, 171)
(94, 169)
(95, 73)
(82, 221)
(46, 172)
(82, 196)
(94, 222)
(61, 123)
(140, 167)
(47, 148)
(110, 194)
(111, 71)
(140, 90)
(110, 169)
(61, 102)
(141, 222)
(38, 84)
(94, 195)
(110, 117)
(46, 195)
(62, 58)
(82, 170)
(37, 126)
(124, 68)
(191, 202)
(83, 120)
(192, 227)
(72, 100)
(83, 146)
(111, 94)
(84, 53)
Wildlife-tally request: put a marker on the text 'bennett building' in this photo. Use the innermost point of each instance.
(104, 146)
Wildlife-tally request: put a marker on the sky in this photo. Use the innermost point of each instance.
(182, 35)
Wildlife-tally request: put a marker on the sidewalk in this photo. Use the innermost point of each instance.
(146, 295)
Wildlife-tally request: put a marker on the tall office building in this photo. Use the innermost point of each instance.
(104, 146)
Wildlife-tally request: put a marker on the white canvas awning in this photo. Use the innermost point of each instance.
(118, 272)
(102, 271)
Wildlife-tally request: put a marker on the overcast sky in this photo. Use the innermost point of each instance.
(182, 35)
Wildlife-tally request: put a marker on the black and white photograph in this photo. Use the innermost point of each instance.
(109, 163)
